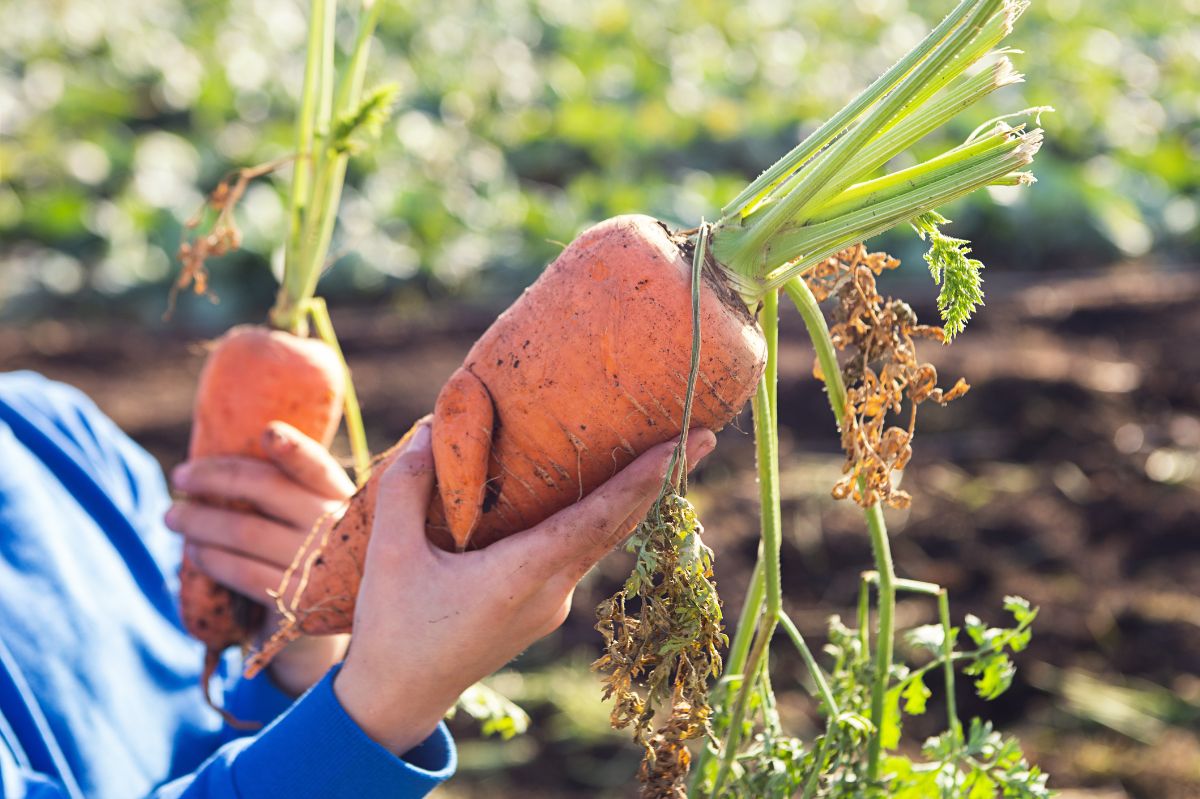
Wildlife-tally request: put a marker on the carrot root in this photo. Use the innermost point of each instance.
(463, 418)
(212, 659)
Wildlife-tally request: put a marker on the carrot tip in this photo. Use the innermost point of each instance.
(212, 659)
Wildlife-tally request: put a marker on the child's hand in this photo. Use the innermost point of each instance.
(244, 519)
(429, 623)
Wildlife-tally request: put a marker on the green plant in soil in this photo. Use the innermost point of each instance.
(796, 229)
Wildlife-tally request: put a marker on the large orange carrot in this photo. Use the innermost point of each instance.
(584, 372)
(253, 376)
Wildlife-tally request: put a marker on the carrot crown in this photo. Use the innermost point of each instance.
(823, 195)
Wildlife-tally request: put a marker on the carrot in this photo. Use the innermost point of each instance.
(253, 376)
(587, 370)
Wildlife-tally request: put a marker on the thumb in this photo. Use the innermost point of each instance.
(573, 540)
(402, 497)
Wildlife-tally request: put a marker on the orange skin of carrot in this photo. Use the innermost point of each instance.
(465, 418)
(585, 371)
(253, 375)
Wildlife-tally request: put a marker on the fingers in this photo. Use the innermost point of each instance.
(305, 461)
(238, 532)
(248, 481)
(404, 490)
(242, 574)
(574, 539)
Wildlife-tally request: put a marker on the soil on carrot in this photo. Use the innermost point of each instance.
(1070, 474)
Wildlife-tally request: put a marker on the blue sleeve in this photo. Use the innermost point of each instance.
(129, 476)
(317, 750)
(314, 750)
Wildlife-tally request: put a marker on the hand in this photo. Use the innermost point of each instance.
(245, 518)
(430, 623)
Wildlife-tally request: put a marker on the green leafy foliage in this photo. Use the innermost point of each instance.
(355, 131)
(977, 764)
(993, 668)
(929, 637)
(960, 277)
(915, 694)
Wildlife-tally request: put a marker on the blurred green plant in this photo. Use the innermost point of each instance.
(522, 120)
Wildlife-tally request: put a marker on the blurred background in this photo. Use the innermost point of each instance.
(1070, 474)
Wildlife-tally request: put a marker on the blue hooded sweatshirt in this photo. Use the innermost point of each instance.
(99, 683)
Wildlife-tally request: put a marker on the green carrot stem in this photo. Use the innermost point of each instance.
(355, 431)
(766, 698)
(935, 111)
(331, 169)
(810, 662)
(738, 656)
(739, 650)
(885, 641)
(327, 192)
(813, 143)
(835, 387)
(766, 437)
(733, 736)
(911, 586)
(676, 476)
(769, 318)
(768, 475)
(948, 666)
(325, 94)
(818, 332)
(314, 202)
(933, 115)
(306, 122)
(825, 176)
(288, 313)
(350, 89)
(802, 247)
(996, 149)
(864, 615)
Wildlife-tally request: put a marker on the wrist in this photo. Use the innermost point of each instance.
(398, 720)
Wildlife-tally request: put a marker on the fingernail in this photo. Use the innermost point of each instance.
(705, 446)
(171, 517)
(180, 475)
(420, 440)
(275, 438)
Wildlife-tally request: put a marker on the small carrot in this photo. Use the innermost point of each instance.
(253, 376)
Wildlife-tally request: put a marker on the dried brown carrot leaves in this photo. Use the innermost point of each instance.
(662, 658)
(223, 235)
(881, 371)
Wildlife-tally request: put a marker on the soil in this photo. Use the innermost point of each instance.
(1070, 475)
